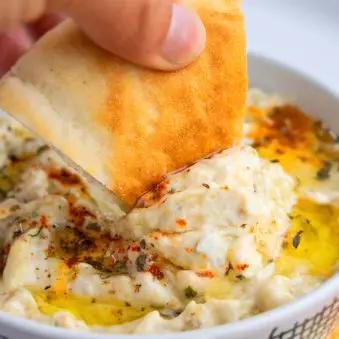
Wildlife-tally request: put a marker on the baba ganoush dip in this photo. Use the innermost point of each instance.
(241, 232)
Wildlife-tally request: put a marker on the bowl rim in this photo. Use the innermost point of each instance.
(269, 318)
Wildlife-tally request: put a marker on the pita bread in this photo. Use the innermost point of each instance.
(126, 125)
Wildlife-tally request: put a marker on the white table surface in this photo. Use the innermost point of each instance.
(301, 33)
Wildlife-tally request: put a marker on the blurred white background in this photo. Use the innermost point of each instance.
(301, 33)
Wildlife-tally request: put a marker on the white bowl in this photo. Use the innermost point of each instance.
(310, 317)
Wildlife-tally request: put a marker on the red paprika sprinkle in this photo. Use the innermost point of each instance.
(181, 222)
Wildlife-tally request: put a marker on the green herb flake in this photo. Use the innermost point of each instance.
(229, 269)
(17, 234)
(143, 244)
(94, 226)
(141, 262)
(324, 172)
(119, 267)
(105, 275)
(240, 277)
(296, 239)
(35, 214)
(274, 161)
(42, 149)
(190, 293)
(37, 233)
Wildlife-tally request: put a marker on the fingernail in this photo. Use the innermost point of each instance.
(186, 37)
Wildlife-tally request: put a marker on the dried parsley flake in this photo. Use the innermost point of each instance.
(324, 172)
(190, 292)
(141, 262)
(296, 239)
(37, 233)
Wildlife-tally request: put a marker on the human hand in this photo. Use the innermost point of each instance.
(155, 33)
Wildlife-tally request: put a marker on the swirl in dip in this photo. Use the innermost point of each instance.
(241, 232)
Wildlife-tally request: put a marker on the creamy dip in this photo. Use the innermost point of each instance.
(230, 210)
(241, 232)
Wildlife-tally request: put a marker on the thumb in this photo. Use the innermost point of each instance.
(155, 33)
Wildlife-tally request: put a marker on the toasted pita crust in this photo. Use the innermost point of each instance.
(126, 125)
